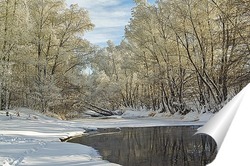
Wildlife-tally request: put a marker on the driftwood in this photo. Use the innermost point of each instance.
(97, 109)
(65, 139)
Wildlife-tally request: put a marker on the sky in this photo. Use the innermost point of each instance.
(109, 17)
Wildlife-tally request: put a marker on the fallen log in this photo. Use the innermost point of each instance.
(102, 109)
(98, 110)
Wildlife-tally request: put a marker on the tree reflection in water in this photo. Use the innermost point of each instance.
(153, 146)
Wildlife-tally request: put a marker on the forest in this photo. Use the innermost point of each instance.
(177, 56)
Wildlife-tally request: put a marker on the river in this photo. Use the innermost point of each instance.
(152, 146)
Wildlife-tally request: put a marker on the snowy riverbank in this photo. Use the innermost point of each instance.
(33, 139)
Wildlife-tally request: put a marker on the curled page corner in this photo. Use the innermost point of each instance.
(230, 130)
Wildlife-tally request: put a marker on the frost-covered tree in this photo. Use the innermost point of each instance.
(41, 45)
(177, 56)
(13, 19)
(56, 42)
(191, 50)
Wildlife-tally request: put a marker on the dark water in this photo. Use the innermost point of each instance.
(153, 146)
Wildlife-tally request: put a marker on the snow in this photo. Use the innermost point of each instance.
(135, 114)
(33, 138)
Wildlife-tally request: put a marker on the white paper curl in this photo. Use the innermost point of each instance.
(230, 128)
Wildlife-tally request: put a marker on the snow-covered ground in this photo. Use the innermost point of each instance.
(33, 139)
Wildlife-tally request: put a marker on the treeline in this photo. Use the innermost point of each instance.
(177, 56)
(40, 49)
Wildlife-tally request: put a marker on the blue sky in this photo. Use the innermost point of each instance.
(109, 17)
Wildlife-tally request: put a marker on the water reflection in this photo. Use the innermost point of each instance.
(153, 146)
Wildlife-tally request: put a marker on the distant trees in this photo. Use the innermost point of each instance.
(177, 56)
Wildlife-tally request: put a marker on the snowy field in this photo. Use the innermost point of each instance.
(34, 139)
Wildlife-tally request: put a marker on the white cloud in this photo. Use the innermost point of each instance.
(101, 36)
(109, 17)
(113, 17)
